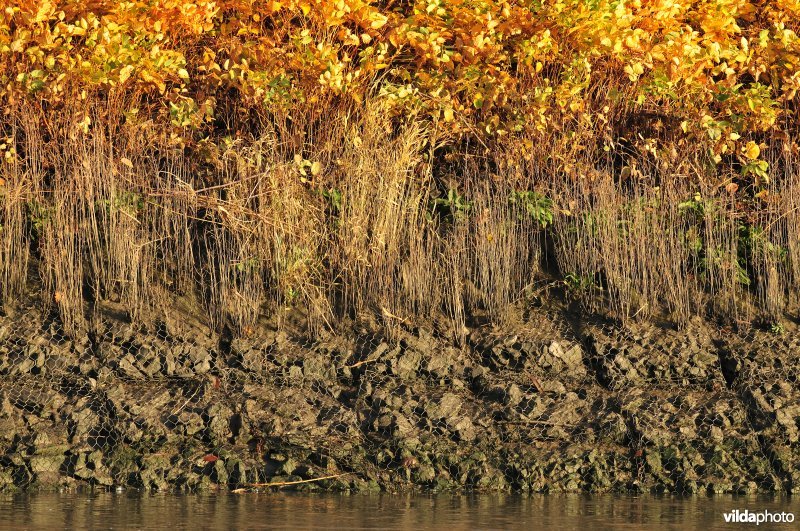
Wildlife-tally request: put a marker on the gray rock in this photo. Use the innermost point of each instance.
(513, 395)
(402, 427)
(406, 365)
(319, 368)
(463, 428)
(446, 407)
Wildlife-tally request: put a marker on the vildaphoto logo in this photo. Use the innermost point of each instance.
(757, 517)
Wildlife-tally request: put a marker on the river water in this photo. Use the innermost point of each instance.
(130, 510)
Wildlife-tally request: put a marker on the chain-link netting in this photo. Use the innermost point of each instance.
(549, 402)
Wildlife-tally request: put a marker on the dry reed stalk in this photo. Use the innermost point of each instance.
(122, 215)
(18, 185)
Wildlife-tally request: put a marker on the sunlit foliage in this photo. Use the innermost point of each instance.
(725, 69)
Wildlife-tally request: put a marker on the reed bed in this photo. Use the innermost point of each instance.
(363, 215)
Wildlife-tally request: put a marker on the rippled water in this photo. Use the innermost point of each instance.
(330, 511)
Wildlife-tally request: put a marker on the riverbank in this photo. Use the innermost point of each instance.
(550, 402)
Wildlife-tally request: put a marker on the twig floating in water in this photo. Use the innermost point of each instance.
(286, 483)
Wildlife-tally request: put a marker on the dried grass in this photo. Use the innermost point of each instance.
(121, 215)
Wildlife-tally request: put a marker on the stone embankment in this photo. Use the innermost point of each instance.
(551, 403)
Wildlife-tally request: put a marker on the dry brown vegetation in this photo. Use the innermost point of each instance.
(363, 215)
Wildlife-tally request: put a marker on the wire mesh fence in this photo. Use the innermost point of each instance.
(547, 403)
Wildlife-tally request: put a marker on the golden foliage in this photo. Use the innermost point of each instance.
(727, 68)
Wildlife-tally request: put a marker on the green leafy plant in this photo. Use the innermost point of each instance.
(454, 206)
(758, 168)
(777, 328)
(334, 199)
(579, 284)
(753, 242)
(38, 215)
(695, 206)
(247, 265)
(127, 202)
(717, 258)
(290, 295)
(538, 206)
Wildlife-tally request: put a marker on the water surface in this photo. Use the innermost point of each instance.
(280, 510)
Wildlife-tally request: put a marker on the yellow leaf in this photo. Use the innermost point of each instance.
(316, 168)
(125, 73)
(448, 114)
(45, 11)
(379, 22)
(127, 162)
(752, 151)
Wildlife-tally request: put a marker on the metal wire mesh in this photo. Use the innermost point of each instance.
(548, 403)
